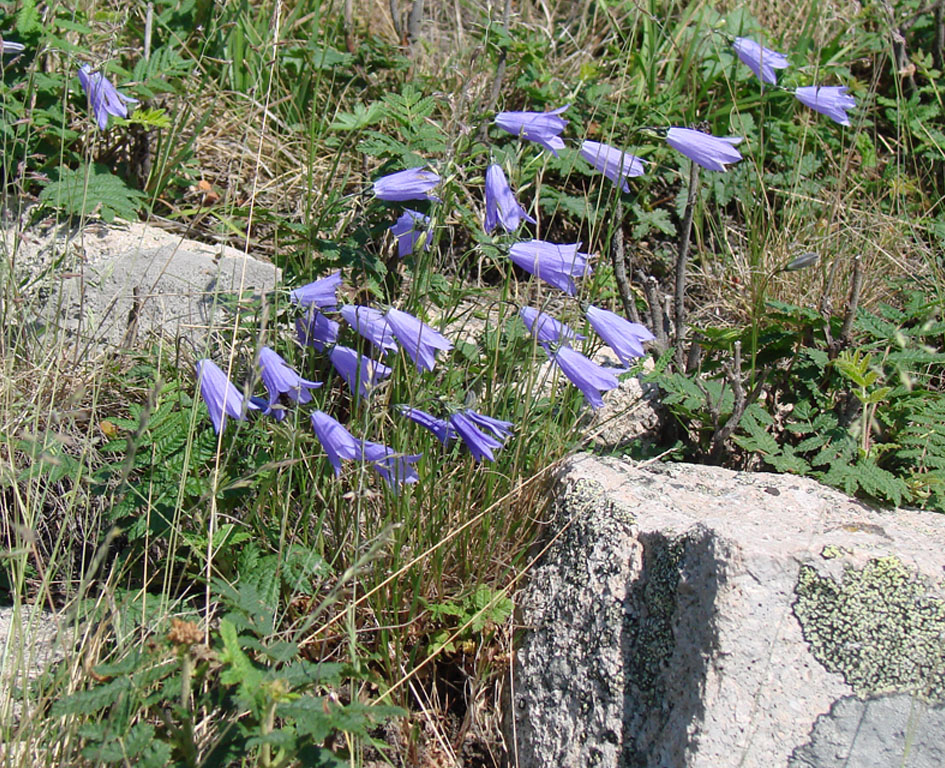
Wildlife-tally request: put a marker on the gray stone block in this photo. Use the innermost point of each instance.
(693, 617)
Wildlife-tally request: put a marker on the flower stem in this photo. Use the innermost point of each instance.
(681, 260)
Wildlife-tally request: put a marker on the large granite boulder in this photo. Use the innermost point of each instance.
(116, 284)
(689, 616)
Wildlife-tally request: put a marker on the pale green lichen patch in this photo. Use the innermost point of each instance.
(832, 551)
(881, 627)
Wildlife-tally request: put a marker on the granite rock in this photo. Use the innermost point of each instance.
(694, 617)
(116, 284)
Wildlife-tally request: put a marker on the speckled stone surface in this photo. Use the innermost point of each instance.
(116, 284)
(688, 616)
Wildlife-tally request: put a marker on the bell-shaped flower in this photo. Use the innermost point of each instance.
(803, 261)
(555, 264)
(475, 429)
(501, 205)
(762, 61)
(829, 100)
(360, 373)
(337, 441)
(221, 397)
(440, 427)
(340, 445)
(545, 328)
(623, 337)
(322, 293)
(541, 127)
(8, 46)
(280, 378)
(411, 184)
(372, 325)
(709, 151)
(103, 97)
(586, 375)
(316, 330)
(615, 164)
(394, 467)
(417, 338)
(408, 229)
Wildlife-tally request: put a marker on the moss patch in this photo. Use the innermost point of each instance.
(881, 628)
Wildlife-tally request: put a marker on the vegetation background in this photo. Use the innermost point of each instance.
(224, 599)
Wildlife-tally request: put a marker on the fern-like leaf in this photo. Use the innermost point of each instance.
(91, 189)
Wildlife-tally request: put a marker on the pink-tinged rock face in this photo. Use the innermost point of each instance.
(694, 616)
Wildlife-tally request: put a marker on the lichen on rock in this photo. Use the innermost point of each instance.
(649, 637)
(881, 627)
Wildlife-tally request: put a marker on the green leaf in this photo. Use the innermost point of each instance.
(328, 58)
(762, 441)
(240, 669)
(362, 117)
(91, 189)
(91, 701)
(877, 482)
(28, 20)
(787, 461)
(150, 118)
(657, 220)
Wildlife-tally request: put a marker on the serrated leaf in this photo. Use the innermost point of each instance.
(240, 669)
(28, 20)
(554, 201)
(649, 221)
(150, 118)
(324, 57)
(91, 701)
(762, 439)
(91, 189)
(788, 462)
(360, 118)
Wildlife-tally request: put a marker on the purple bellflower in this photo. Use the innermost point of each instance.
(474, 429)
(8, 46)
(103, 97)
(555, 264)
(586, 375)
(541, 127)
(762, 61)
(337, 441)
(322, 293)
(417, 338)
(340, 444)
(281, 378)
(372, 325)
(623, 337)
(709, 151)
(316, 330)
(394, 467)
(501, 205)
(615, 164)
(221, 397)
(408, 229)
(545, 328)
(360, 373)
(830, 100)
(411, 184)
(443, 430)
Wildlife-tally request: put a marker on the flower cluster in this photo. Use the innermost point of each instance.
(480, 434)
(829, 100)
(623, 337)
(393, 331)
(387, 332)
